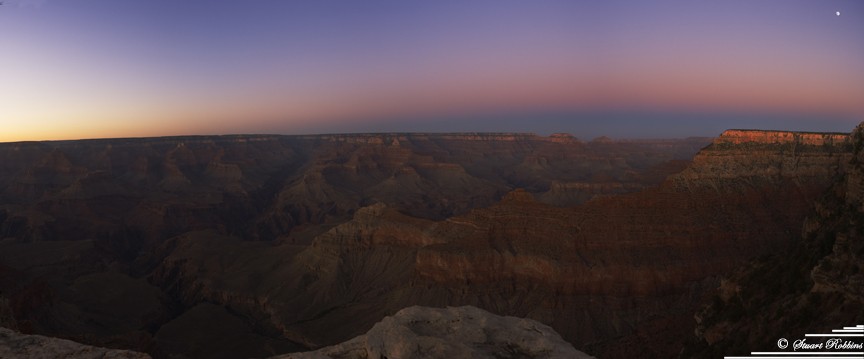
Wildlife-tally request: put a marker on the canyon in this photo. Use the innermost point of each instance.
(254, 246)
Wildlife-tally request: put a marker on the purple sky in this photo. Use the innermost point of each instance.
(121, 68)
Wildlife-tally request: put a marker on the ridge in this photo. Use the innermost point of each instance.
(741, 136)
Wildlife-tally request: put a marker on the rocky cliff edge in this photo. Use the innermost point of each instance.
(781, 137)
(452, 332)
(813, 288)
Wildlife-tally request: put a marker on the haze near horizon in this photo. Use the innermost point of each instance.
(98, 68)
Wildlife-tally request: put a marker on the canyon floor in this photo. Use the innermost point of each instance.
(256, 246)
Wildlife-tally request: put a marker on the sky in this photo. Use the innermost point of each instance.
(73, 69)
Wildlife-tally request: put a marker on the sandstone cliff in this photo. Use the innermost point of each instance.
(748, 157)
(762, 137)
(816, 286)
(460, 332)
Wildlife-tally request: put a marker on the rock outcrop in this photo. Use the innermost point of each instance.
(746, 157)
(21, 346)
(762, 137)
(453, 332)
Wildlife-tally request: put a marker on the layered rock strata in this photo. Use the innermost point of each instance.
(610, 274)
(814, 287)
(313, 239)
(89, 229)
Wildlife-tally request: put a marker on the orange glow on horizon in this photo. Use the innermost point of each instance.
(130, 69)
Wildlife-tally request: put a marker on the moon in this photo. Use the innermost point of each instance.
(838, 13)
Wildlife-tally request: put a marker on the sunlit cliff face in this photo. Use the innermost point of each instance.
(779, 137)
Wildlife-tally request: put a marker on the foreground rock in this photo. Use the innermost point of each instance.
(454, 332)
(17, 345)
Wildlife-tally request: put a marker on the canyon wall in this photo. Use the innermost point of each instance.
(307, 241)
(737, 137)
(814, 287)
(610, 274)
(79, 217)
(750, 157)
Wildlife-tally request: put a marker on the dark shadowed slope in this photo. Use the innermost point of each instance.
(308, 241)
(814, 287)
(606, 274)
(89, 229)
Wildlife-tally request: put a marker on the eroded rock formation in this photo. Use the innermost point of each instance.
(310, 240)
(816, 286)
(79, 217)
(607, 274)
(453, 332)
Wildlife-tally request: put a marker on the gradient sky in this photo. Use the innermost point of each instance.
(128, 68)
